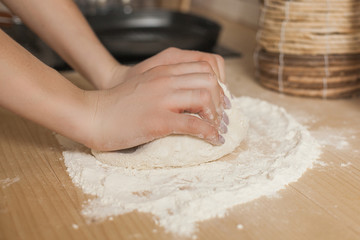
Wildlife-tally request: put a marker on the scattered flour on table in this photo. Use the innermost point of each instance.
(345, 164)
(338, 138)
(75, 226)
(304, 118)
(240, 226)
(276, 151)
(321, 163)
(8, 181)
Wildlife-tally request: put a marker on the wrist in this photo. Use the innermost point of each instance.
(113, 77)
(83, 119)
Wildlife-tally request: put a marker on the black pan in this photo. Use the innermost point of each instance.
(132, 37)
(144, 33)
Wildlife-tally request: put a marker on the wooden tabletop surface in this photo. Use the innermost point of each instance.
(39, 201)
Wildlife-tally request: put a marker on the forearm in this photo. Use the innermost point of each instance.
(61, 25)
(39, 93)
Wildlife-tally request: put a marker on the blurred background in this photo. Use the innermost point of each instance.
(133, 30)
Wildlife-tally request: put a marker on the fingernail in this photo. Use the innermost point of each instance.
(223, 129)
(227, 102)
(221, 140)
(225, 118)
(217, 142)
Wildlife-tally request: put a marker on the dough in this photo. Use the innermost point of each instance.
(180, 150)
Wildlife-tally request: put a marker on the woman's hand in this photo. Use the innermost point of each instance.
(169, 56)
(155, 103)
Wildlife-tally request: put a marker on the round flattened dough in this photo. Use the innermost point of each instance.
(180, 150)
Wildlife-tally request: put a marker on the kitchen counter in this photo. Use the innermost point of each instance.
(39, 201)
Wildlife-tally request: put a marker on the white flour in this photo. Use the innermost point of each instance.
(240, 227)
(8, 181)
(277, 151)
(337, 138)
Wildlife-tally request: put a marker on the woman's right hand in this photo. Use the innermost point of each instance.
(155, 104)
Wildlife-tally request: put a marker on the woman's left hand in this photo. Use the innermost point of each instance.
(169, 56)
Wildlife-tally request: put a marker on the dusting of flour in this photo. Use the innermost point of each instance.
(4, 183)
(276, 151)
(337, 138)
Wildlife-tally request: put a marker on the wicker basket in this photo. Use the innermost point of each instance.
(310, 48)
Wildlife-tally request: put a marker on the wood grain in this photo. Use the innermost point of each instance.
(323, 204)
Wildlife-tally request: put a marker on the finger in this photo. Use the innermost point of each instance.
(221, 65)
(187, 124)
(202, 81)
(176, 55)
(196, 101)
(182, 68)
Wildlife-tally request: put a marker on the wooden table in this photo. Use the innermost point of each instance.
(39, 201)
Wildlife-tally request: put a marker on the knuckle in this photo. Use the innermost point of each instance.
(219, 58)
(171, 50)
(205, 66)
(163, 73)
(160, 68)
(160, 80)
(212, 80)
(205, 96)
(166, 82)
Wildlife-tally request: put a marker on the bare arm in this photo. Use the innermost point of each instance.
(37, 92)
(61, 25)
